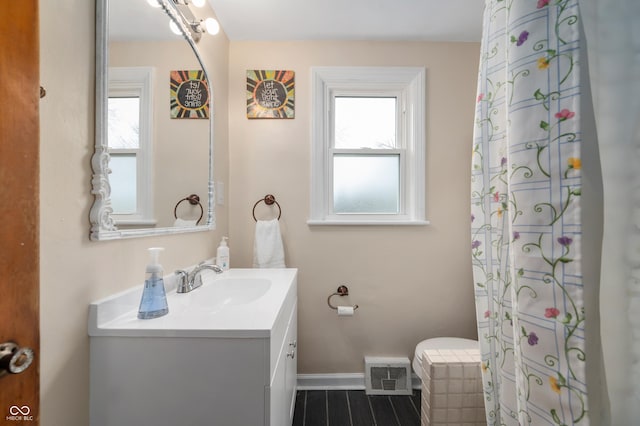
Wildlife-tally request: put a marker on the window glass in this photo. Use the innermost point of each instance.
(365, 122)
(366, 184)
(122, 180)
(124, 123)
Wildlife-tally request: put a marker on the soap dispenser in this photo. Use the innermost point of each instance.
(154, 299)
(222, 255)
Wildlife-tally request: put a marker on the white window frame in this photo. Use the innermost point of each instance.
(137, 82)
(408, 85)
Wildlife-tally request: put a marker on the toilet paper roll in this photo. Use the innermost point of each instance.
(345, 311)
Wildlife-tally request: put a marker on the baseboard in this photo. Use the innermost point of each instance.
(340, 381)
(333, 381)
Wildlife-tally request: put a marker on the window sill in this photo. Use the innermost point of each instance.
(331, 222)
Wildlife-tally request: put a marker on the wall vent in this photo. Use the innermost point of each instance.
(387, 376)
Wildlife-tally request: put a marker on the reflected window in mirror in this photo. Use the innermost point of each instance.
(130, 116)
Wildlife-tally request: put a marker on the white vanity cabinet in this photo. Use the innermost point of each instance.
(176, 372)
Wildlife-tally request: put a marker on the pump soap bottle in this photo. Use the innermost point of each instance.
(154, 299)
(222, 254)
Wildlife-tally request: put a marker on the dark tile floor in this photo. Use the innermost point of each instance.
(355, 408)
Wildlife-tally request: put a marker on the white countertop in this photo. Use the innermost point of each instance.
(203, 312)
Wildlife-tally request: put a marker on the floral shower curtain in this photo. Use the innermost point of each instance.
(525, 221)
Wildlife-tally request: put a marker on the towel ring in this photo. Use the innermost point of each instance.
(194, 200)
(268, 200)
(341, 291)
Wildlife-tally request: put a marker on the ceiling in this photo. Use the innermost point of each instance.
(136, 20)
(416, 20)
(386, 20)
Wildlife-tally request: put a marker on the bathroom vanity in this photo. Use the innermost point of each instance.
(224, 355)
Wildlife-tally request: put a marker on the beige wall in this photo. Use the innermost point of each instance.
(411, 282)
(74, 270)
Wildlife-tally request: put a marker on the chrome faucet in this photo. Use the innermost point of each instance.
(190, 281)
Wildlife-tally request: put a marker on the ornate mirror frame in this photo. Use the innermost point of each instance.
(103, 226)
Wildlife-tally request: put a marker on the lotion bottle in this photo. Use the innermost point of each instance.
(154, 299)
(222, 254)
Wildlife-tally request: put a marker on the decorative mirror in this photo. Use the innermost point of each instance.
(153, 159)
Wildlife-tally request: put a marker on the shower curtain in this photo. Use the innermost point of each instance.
(526, 214)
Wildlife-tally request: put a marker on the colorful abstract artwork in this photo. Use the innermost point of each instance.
(270, 94)
(189, 94)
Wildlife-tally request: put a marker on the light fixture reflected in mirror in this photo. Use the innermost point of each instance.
(174, 28)
(195, 26)
(211, 26)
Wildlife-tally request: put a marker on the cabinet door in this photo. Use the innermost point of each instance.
(283, 385)
(291, 364)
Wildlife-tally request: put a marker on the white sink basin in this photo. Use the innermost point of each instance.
(232, 291)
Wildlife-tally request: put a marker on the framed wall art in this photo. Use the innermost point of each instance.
(189, 97)
(270, 94)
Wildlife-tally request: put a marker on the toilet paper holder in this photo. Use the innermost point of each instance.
(341, 291)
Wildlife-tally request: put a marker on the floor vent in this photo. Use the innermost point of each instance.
(387, 376)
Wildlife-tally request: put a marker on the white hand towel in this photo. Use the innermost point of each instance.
(268, 251)
(182, 223)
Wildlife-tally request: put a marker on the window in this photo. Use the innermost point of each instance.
(129, 139)
(368, 156)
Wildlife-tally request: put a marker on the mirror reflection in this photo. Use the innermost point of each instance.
(153, 121)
